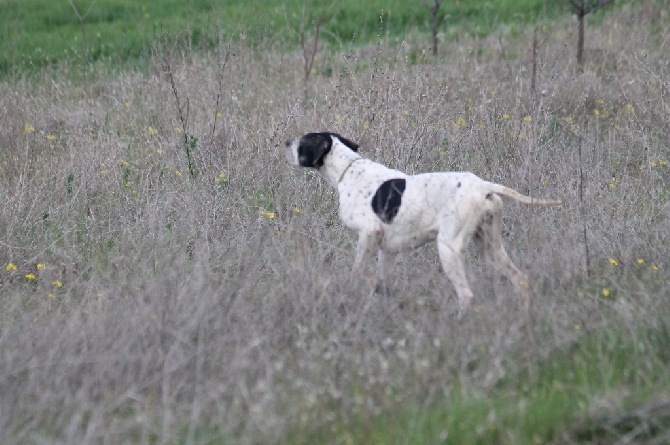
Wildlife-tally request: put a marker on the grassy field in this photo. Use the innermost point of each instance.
(166, 278)
(119, 33)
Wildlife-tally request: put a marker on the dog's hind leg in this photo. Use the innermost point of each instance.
(490, 233)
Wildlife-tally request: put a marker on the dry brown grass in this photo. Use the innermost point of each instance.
(185, 308)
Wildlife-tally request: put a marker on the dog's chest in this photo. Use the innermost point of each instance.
(370, 195)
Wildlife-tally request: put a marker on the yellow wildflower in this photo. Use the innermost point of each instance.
(640, 261)
(40, 266)
(57, 284)
(221, 178)
(268, 214)
(152, 130)
(28, 129)
(296, 209)
(177, 172)
(219, 114)
(11, 267)
(613, 262)
(178, 129)
(527, 118)
(461, 122)
(606, 292)
(31, 277)
(123, 163)
(505, 116)
(51, 137)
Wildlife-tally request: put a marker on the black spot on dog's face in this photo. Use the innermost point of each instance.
(386, 201)
(313, 148)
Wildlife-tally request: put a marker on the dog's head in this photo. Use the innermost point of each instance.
(311, 149)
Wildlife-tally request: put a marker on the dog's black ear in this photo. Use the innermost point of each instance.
(313, 148)
(347, 142)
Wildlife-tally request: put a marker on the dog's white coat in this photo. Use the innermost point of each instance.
(450, 207)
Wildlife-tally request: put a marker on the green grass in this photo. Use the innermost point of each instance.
(579, 391)
(40, 33)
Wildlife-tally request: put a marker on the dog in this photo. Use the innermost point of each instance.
(392, 211)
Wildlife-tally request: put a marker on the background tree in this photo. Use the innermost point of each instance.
(435, 21)
(582, 8)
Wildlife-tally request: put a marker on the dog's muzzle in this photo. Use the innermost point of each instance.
(291, 151)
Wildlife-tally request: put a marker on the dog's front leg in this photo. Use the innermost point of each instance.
(368, 242)
(385, 261)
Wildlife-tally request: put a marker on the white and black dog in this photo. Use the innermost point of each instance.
(392, 211)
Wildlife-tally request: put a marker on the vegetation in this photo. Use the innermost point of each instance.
(166, 278)
(39, 33)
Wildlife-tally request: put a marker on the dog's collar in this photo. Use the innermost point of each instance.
(346, 169)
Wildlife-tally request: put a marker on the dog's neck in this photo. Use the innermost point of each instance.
(347, 169)
(338, 165)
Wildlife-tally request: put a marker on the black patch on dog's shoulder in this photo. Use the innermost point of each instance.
(313, 148)
(388, 198)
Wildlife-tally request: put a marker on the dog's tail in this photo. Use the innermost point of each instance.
(502, 190)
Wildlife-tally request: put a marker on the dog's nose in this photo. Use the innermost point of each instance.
(288, 142)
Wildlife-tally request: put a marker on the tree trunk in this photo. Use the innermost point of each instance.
(435, 22)
(580, 42)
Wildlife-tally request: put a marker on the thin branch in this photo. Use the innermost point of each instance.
(309, 56)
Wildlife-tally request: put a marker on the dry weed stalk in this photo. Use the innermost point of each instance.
(164, 50)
